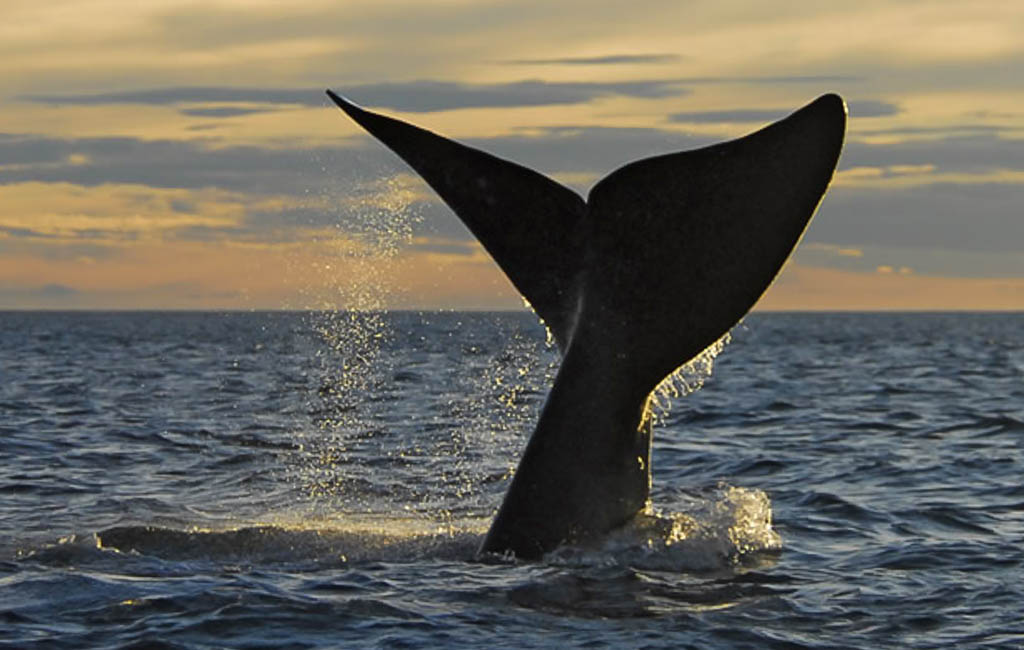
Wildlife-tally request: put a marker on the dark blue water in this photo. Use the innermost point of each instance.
(276, 480)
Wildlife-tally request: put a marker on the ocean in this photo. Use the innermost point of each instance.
(323, 480)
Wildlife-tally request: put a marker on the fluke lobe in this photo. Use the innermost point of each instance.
(663, 258)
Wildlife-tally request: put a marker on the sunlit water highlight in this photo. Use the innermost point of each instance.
(210, 480)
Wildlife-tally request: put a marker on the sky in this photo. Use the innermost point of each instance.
(163, 154)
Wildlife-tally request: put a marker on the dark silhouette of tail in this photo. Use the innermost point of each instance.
(662, 259)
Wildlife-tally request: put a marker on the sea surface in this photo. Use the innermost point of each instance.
(323, 480)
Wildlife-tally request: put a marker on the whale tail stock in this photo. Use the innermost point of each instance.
(662, 259)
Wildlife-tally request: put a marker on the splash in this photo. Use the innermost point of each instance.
(549, 336)
(719, 529)
(685, 379)
(357, 258)
(504, 401)
(466, 427)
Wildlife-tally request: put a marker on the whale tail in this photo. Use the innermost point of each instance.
(663, 258)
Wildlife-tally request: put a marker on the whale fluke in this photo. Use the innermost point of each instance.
(525, 220)
(662, 259)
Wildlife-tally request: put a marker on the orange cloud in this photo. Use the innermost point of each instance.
(890, 289)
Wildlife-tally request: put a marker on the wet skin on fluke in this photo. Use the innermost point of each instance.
(664, 256)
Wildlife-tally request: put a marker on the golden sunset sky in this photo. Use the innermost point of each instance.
(182, 155)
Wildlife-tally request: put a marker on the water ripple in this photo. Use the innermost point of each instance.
(237, 480)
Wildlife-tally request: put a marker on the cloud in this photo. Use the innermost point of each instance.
(950, 130)
(411, 96)
(223, 111)
(610, 59)
(171, 164)
(463, 248)
(964, 153)
(15, 232)
(807, 287)
(64, 217)
(56, 291)
(977, 218)
(832, 249)
(188, 94)
(872, 108)
(979, 213)
(886, 269)
(866, 176)
(736, 115)
(921, 261)
(425, 96)
(300, 171)
(858, 109)
(770, 79)
(45, 293)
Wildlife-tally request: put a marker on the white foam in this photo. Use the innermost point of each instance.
(718, 529)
